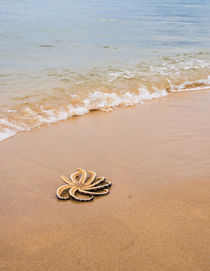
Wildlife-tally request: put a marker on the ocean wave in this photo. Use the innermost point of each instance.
(103, 92)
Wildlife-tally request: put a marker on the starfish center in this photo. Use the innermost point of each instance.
(79, 185)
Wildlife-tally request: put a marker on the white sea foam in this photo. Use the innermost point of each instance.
(147, 86)
(6, 133)
(95, 101)
(12, 125)
(191, 85)
(126, 74)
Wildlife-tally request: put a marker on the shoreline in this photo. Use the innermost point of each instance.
(156, 215)
(80, 111)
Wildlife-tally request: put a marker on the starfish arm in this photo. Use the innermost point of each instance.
(99, 187)
(73, 177)
(92, 177)
(101, 180)
(60, 190)
(66, 180)
(72, 193)
(100, 193)
(84, 175)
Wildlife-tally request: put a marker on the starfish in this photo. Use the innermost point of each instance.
(84, 184)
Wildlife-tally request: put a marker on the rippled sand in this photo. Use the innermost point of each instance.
(156, 216)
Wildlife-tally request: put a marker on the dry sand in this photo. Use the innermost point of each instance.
(156, 217)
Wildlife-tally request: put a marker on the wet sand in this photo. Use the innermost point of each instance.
(156, 217)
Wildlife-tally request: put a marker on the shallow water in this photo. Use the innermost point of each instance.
(63, 59)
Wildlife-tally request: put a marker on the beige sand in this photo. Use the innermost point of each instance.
(156, 217)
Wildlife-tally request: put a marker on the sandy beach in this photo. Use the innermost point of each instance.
(156, 216)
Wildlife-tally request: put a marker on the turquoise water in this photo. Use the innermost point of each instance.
(79, 55)
(80, 34)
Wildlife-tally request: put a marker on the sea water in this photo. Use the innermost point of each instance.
(64, 58)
